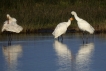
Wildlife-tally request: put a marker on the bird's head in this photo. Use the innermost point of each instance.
(73, 12)
(8, 16)
(71, 17)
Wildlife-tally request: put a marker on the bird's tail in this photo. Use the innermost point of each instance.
(3, 28)
(92, 30)
(54, 34)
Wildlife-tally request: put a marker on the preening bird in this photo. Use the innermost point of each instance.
(82, 24)
(61, 29)
(11, 25)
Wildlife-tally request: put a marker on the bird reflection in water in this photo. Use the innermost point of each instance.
(83, 57)
(12, 54)
(64, 56)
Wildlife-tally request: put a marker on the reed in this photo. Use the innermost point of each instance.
(34, 15)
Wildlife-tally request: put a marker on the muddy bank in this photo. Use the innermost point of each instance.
(51, 30)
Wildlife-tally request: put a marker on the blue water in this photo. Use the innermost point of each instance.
(43, 53)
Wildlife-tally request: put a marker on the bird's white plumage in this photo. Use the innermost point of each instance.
(82, 24)
(11, 25)
(61, 28)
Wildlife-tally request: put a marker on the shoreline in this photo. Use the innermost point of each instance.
(51, 30)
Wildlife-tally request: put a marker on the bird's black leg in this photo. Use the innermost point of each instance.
(9, 38)
(83, 37)
(58, 38)
(86, 38)
(93, 37)
(61, 38)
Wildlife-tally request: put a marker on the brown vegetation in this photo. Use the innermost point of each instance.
(36, 15)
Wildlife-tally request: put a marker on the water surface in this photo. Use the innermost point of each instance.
(42, 53)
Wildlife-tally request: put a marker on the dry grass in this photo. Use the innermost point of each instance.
(33, 15)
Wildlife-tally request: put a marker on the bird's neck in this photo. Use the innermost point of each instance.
(69, 22)
(8, 22)
(76, 17)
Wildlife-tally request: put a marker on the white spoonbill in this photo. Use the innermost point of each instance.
(61, 28)
(11, 25)
(82, 24)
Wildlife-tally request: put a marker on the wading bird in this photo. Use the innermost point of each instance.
(82, 24)
(10, 25)
(61, 29)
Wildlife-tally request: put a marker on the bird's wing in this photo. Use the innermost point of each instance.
(4, 26)
(13, 27)
(85, 26)
(61, 26)
(13, 19)
(60, 29)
